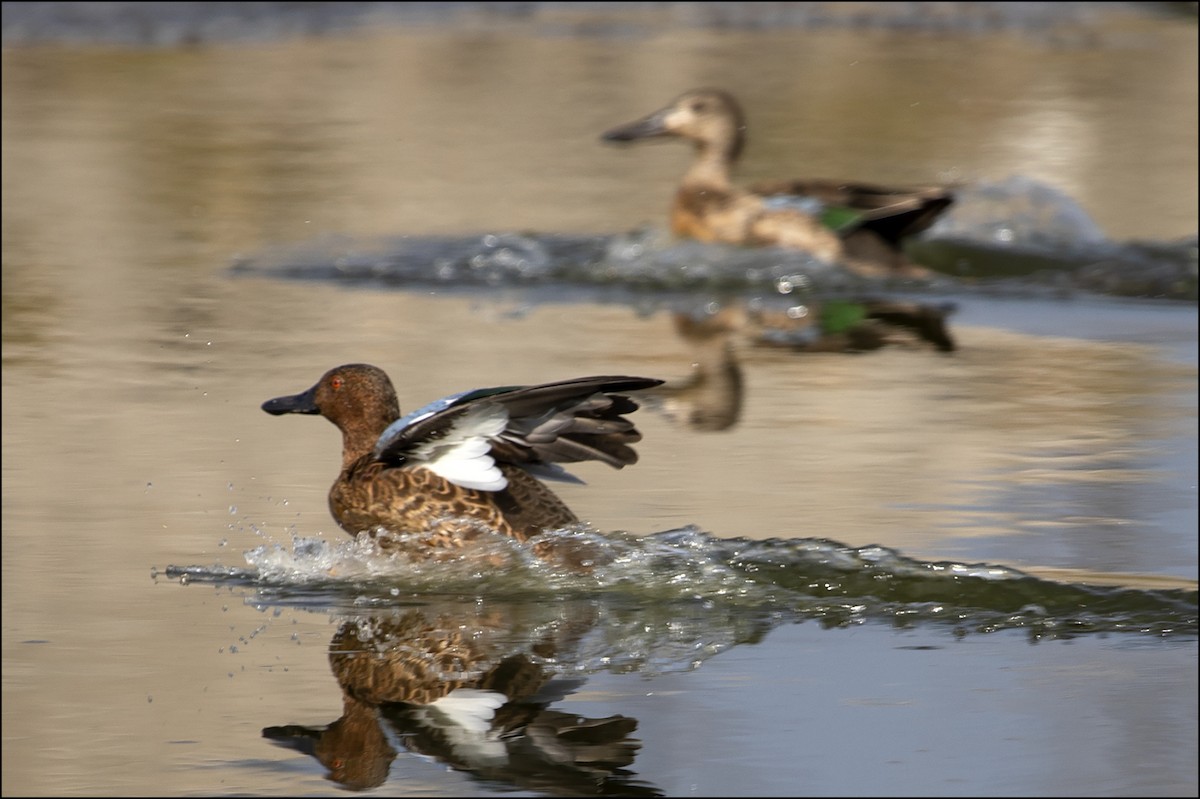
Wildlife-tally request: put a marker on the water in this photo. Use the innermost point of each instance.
(897, 572)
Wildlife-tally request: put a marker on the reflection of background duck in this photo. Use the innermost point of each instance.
(446, 687)
(852, 325)
(710, 397)
(862, 226)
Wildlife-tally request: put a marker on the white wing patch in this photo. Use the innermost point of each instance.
(464, 717)
(462, 454)
(470, 708)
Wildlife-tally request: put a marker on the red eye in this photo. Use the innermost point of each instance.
(337, 383)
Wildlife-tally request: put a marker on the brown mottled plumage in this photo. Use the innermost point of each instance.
(392, 485)
(708, 207)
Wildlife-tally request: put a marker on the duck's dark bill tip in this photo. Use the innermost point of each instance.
(645, 128)
(300, 403)
(616, 135)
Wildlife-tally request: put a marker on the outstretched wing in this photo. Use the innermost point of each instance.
(463, 436)
(890, 211)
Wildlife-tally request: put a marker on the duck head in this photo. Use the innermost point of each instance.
(357, 397)
(709, 118)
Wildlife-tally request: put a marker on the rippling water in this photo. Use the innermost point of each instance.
(670, 572)
(470, 663)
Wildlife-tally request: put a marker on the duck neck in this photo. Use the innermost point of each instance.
(358, 441)
(711, 167)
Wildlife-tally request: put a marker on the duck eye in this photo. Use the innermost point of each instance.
(699, 107)
(337, 383)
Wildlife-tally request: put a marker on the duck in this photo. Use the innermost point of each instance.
(861, 226)
(469, 463)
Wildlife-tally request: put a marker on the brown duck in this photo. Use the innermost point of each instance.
(468, 463)
(859, 225)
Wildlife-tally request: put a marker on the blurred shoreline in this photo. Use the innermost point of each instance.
(169, 24)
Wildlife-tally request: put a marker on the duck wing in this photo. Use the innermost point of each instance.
(463, 436)
(892, 212)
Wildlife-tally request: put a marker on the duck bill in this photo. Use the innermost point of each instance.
(296, 403)
(644, 128)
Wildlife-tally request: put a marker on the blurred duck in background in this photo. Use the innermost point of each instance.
(858, 225)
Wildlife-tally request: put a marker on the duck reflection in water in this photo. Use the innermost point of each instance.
(710, 398)
(850, 325)
(458, 686)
